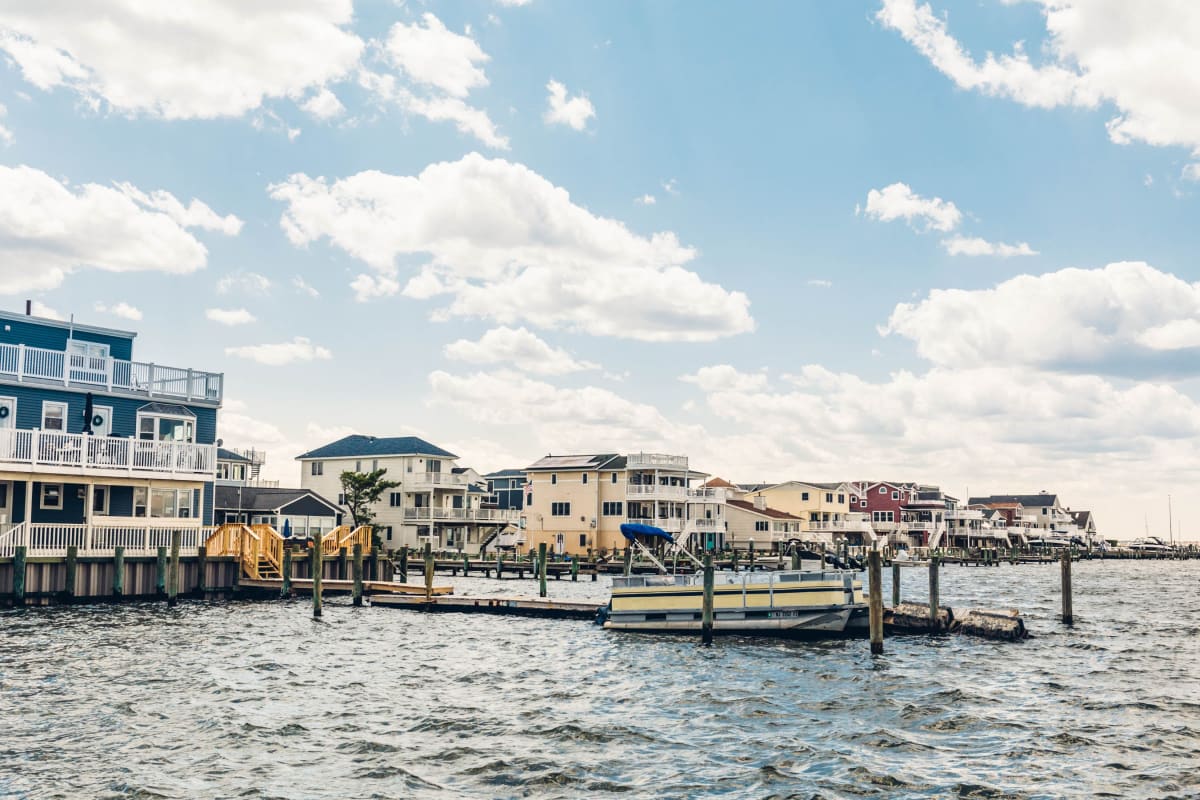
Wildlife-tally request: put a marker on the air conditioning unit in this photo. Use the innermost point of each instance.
(592, 523)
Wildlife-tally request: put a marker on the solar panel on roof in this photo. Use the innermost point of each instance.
(567, 461)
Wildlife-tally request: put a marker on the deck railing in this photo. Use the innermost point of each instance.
(103, 372)
(138, 539)
(461, 514)
(108, 453)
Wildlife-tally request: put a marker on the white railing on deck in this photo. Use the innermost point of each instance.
(102, 372)
(110, 453)
(464, 514)
(138, 538)
(649, 491)
(656, 460)
(449, 479)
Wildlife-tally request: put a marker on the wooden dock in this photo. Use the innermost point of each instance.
(304, 586)
(505, 606)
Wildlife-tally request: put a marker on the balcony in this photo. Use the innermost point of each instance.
(77, 453)
(461, 514)
(416, 481)
(650, 491)
(24, 364)
(656, 461)
(710, 495)
(706, 524)
(670, 525)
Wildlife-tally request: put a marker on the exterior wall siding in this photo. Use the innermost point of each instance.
(124, 410)
(35, 333)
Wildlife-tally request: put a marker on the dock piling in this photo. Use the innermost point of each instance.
(357, 566)
(895, 584)
(160, 573)
(541, 568)
(318, 566)
(173, 569)
(118, 571)
(1068, 616)
(706, 617)
(285, 585)
(933, 588)
(72, 571)
(18, 579)
(428, 573)
(628, 560)
(795, 559)
(341, 567)
(404, 565)
(575, 568)
(875, 576)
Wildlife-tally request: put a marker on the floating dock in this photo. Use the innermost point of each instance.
(304, 586)
(506, 606)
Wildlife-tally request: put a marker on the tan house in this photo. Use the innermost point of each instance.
(824, 507)
(769, 529)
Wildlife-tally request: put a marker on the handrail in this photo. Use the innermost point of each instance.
(331, 541)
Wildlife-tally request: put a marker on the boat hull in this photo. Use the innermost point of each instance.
(799, 622)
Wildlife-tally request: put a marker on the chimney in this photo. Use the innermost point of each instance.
(29, 308)
(760, 502)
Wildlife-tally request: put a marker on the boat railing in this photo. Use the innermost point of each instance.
(727, 578)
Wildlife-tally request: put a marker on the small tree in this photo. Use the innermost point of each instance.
(361, 490)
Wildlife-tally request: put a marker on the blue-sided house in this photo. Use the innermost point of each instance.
(98, 450)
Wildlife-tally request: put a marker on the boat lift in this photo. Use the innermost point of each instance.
(632, 530)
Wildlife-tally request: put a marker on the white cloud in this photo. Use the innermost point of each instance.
(1100, 51)
(367, 287)
(975, 246)
(508, 245)
(574, 112)
(725, 377)
(303, 287)
(122, 309)
(194, 215)
(6, 135)
(229, 316)
(196, 60)
(514, 3)
(820, 283)
(518, 346)
(645, 200)
(323, 105)
(40, 309)
(1191, 172)
(898, 201)
(275, 355)
(244, 283)
(1124, 319)
(444, 67)
(671, 186)
(49, 229)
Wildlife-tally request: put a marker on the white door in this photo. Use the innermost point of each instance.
(5, 501)
(8, 412)
(102, 420)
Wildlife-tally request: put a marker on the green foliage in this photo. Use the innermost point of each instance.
(361, 490)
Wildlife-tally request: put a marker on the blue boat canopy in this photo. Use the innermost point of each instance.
(632, 529)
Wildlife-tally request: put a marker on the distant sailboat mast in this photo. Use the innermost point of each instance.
(1170, 521)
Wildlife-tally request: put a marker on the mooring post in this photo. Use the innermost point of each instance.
(317, 566)
(428, 573)
(499, 563)
(875, 576)
(285, 588)
(466, 565)
(173, 569)
(118, 571)
(575, 568)
(706, 617)
(373, 560)
(18, 579)
(1068, 617)
(541, 569)
(341, 567)
(933, 590)
(160, 573)
(795, 559)
(357, 566)
(895, 583)
(822, 555)
(750, 565)
(201, 567)
(404, 565)
(628, 560)
(72, 571)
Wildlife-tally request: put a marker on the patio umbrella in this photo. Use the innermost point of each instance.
(287, 529)
(89, 411)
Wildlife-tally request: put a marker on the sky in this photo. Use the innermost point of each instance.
(947, 242)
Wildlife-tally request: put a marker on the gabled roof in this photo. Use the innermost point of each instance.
(166, 408)
(255, 498)
(718, 483)
(580, 462)
(506, 473)
(829, 487)
(1082, 518)
(1028, 500)
(773, 513)
(229, 455)
(359, 445)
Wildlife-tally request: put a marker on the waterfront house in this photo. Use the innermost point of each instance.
(1043, 510)
(507, 487)
(825, 508)
(242, 495)
(96, 449)
(577, 503)
(433, 503)
(769, 529)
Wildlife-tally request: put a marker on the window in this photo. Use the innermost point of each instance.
(883, 490)
(491, 486)
(374, 464)
(395, 499)
(54, 417)
(841, 498)
(583, 540)
(529, 499)
(173, 503)
(388, 532)
(761, 525)
(52, 494)
(614, 477)
(895, 495)
(585, 479)
(318, 468)
(553, 478)
(166, 428)
(341, 499)
(560, 509)
(612, 508)
(433, 465)
(829, 497)
(100, 500)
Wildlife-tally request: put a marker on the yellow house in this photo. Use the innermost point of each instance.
(824, 506)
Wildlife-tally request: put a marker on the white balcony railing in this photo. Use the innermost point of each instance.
(461, 514)
(655, 492)
(707, 524)
(50, 450)
(709, 495)
(71, 369)
(437, 480)
(139, 537)
(670, 525)
(656, 461)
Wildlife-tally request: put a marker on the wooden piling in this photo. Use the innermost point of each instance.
(160, 573)
(466, 565)
(875, 576)
(575, 568)
(201, 567)
(933, 587)
(428, 573)
(72, 571)
(357, 566)
(341, 567)
(118, 571)
(18, 579)
(1068, 616)
(795, 559)
(173, 569)
(404, 565)
(317, 568)
(499, 564)
(706, 618)
(373, 560)
(895, 584)
(285, 584)
(750, 566)
(628, 560)
(541, 567)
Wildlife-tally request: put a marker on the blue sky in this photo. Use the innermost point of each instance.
(799, 299)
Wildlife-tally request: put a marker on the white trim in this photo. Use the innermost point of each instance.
(96, 410)
(155, 415)
(103, 487)
(42, 498)
(66, 407)
(12, 422)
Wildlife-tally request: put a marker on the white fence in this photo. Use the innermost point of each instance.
(51, 449)
(44, 539)
(152, 380)
(464, 514)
